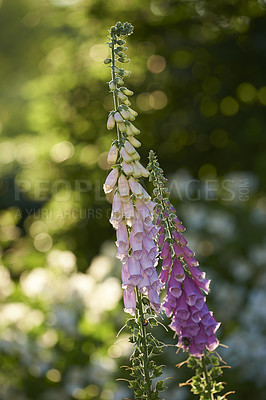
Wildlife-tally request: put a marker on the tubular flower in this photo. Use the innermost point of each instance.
(132, 208)
(185, 301)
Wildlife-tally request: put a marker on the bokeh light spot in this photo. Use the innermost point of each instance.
(64, 260)
(62, 151)
(114, 351)
(43, 242)
(107, 395)
(208, 106)
(211, 85)
(261, 204)
(38, 227)
(53, 375)
(102, 161)
(205, 248)
(91, 391)
(25, 153)
(246, 92)
(229, 106)
(99, 52)
(7, 151)
(100, 267)
(49, 338)
(143, 102)
(182, 59)
(156, 64)
(207, 171)
(89, 155)
(262, 95)
(158, 100)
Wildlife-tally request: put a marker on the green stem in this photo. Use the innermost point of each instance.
(166, 219)
(144, 344)
(116, 101)
(205, 372)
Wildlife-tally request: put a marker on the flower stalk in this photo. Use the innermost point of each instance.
(132, 218)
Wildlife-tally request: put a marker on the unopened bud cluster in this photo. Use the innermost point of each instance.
(185, 301)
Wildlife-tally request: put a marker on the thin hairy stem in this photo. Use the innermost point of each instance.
(144, 344)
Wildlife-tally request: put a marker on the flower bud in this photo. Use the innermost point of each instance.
(112, 85)
(126, 91)
(123, 186)
(136, 156)
(126, 157)
(112, 155)
(134, 141)
(137, 173)
(146, 196)
(127, 168)
(121, 126)
(124, 72)
(119, 80)
(131, 117)
(144, 171)
(107, 61)
(125, 114)
(123, 59)
(127, 102)
(110, 122)
(110, 181)
(129, 148)
(118, 117)
(129, 131)
(133, 112)
(136, 188)
(135, 130)
(121, 95)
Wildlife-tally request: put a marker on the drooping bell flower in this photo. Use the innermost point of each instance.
(110, 181)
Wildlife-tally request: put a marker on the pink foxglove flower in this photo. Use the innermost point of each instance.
(127, 168)
(136, 188)
(123, 187)
(137, 250)
(132, 217)
(186, 284)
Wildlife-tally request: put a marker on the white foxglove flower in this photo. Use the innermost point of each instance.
(110, 122)
(135, 142)
(118, 117)
(127, 168)
(129, 148)
(112, 86)
(135, 130)
(144, 171)
(112, 155)
(110, 181)
(137, 173)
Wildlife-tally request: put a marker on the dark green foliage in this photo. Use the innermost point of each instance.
(207, 370)
(146, 347)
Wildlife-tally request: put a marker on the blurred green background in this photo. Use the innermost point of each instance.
(199, 77)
